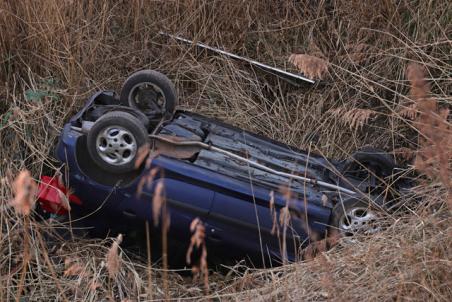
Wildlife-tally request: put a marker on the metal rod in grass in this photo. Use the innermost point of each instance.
(290, 77)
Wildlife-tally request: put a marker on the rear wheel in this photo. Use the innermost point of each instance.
(114, 140)
(151, 92)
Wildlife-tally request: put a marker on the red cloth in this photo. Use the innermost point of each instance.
(51, 195)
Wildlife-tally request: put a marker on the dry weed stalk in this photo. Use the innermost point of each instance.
(45, 253)
(419, 87)
(159, 210)
(358, 53)
(24, 188)
(146, 180)
(435, 131)
(158, 202)
(284, 220)
(404, 153)
(197, 249)
(311, 66)
(94, 285)
(72, 267)
(409, 111)
(113, 261)
(317, 247)
(149, 260)
(275, 225)
(285, 216)
(142, 154)
(355, 118)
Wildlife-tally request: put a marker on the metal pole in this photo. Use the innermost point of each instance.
(270, 69)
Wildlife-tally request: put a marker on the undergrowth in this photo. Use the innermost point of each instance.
(385, 81)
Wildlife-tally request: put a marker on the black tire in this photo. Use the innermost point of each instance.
(370, 169)
(340, 217)
(114, 140)
(150, 92)
(369, 156)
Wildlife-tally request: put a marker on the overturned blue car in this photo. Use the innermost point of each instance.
(118, 149)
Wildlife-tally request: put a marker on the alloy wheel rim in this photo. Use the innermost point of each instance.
(359, 220)
(116, 145)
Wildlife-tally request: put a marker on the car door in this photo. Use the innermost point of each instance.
(185, 201)
(240, 226)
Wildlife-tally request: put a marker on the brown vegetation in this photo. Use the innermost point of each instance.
(197, 242)
(24, 189)
(313, 67)
(54, 54)
(113, 261)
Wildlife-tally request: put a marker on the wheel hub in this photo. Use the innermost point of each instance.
(359, 220)
(116, 145)
(148, 98)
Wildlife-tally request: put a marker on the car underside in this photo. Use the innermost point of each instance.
(237, 183)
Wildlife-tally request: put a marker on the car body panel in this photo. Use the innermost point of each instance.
(232, 199)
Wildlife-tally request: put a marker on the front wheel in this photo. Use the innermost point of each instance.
(114, 140)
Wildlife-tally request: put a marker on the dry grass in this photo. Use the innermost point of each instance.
(113, 261)
(197, 249)
(56, 53)
(313, 67)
